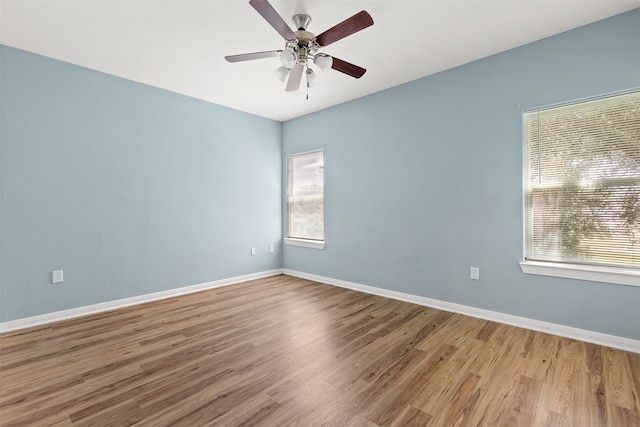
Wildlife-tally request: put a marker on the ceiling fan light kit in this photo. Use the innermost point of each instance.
(312, 78)
(323, 61)
(301, 47)
(282, 72)
(289, 58)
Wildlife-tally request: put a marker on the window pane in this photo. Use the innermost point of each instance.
(582, 182)
(306, 196)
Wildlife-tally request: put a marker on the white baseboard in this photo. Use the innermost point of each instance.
(613, 341)
(28, 322)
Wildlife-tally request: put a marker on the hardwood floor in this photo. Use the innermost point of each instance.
(284, 351)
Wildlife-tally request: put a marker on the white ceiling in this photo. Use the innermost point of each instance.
(179, 45)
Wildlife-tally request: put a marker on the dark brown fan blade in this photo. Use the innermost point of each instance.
(273, 18)
(250, 56)
(357, 22)
(347, 68)
(295, 76)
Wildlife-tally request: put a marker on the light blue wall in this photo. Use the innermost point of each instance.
(425, 180)
(131, 189)
(127, 188)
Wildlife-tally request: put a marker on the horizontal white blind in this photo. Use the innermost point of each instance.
(305, 196)
(582, 182)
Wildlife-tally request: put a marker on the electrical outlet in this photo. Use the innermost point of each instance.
(271, 249)
(57, 276)
(253, 251)
(475, 273)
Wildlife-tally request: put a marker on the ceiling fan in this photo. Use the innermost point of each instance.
(301, 46)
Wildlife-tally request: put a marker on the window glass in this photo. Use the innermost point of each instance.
(305, 196)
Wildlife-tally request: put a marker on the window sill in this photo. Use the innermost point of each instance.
(314, 244)
(620, 276)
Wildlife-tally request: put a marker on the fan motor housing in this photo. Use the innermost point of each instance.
(304, 36)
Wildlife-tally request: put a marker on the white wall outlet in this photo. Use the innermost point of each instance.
(475, 273)
(271, 248)
(253, 251)
(57, 276)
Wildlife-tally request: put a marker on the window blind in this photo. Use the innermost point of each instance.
(582, 182)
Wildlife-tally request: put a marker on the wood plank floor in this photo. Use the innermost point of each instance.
(284, 351)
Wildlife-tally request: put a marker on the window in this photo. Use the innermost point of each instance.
(305, 199)
(582, 183)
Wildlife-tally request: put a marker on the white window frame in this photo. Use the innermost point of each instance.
(614, 275)
(294, 241)
(596, 273)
